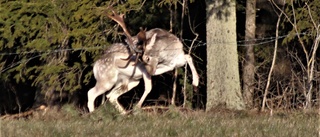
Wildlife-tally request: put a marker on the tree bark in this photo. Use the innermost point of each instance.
(223, 84)
(248, 66)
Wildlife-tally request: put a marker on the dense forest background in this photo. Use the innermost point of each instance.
(47, 49)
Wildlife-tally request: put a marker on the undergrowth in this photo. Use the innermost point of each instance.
(106, 121)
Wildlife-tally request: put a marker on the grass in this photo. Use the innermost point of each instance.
(107, 122)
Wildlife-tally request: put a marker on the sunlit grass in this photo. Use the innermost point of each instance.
(107, 122)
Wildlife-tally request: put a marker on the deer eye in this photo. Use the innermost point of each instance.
(147, 59)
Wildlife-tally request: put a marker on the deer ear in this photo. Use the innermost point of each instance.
(152, 41)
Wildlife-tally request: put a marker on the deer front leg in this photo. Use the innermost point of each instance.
(147, 88)
(118, 91)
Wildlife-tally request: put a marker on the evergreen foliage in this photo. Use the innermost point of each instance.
(44, 35)
(52, 44)
(297, 10)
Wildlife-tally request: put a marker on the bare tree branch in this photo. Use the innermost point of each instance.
(273, 63)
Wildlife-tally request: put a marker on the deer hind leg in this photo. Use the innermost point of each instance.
(195, 76)
(118, 91)
(94, 92)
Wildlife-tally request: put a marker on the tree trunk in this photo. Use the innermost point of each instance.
(248, 66)
(223, 84)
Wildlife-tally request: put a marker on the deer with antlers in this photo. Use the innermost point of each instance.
(121, 67)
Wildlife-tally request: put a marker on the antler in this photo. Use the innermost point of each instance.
(119, 19)
(142, 38)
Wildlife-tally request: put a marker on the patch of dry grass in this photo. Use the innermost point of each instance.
(107, 122)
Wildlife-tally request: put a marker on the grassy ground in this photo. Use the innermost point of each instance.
(107, 122)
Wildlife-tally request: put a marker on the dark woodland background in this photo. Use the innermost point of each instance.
(47, 50)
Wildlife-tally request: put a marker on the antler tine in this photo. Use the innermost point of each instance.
(119, 19)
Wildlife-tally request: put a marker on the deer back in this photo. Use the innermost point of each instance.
(112, 64)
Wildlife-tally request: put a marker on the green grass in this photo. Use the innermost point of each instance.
(107, 122)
